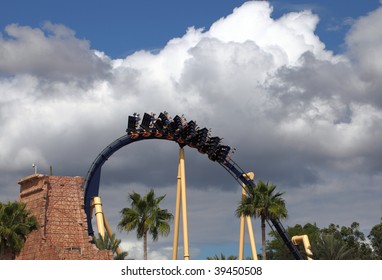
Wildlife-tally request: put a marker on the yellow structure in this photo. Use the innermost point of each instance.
(181, 201)
(181, 205)
(97, 205)
(251, 235)
(101, 220)
(298, 239)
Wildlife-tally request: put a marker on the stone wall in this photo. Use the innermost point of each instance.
(57, 202)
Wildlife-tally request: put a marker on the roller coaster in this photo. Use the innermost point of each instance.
(185, 133)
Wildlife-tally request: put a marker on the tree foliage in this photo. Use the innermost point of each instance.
(146, 217)
(16, 223)
(375, 237)
(330, 247)
(222, 257)
(331, 243)
(354, 240)
(110, 243)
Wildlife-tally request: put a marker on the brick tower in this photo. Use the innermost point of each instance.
(57, 204)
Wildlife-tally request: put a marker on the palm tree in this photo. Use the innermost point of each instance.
(146, 216)
(262, 202)
(110, 243)
(15, 224)
(328, 247)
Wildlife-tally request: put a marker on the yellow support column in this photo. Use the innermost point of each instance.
(110, 233)
(184, 203)
(101, 220)
(242, 237)
(304, 239)
(99, 215)
(177, 216)
(251, 238)
(250, 176)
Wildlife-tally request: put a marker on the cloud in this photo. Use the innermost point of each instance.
(135, 251)
(363, 41)
(298, 115)
(337, 25)
(291, 34)
(52, 51)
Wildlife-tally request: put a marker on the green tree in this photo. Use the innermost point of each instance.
(222, 257)
(16, 223)
(146, 217)
(332, 242)
(328, 247)
(375, 238)
(354, 240)
(261, 201)
(112, 244)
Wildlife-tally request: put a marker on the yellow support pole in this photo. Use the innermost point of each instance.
(101, 220)
(242, 237)
(304, 239)
(251, 238)
(242, 231)
(177, 216)
(250, 176)
(99, 215)
(110, 233)
(184, 203)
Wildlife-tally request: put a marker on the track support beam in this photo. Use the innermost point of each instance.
(181, 202)
(251, 235)
(101, 220)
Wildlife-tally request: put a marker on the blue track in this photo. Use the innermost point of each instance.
(92, 180)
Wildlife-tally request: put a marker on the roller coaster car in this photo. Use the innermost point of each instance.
(158, 125)
(222, 153)
(134, 134)
(171, 128)
(190, 132)
(211, 147)
(146, 122)
(131, 124)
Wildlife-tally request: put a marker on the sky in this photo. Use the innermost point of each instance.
(294, 86)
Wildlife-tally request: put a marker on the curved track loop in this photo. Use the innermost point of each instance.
(179, 131)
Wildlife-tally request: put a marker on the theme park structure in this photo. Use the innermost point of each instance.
(184, 133)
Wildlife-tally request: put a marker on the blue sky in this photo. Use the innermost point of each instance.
(120, 27)
(302, 78)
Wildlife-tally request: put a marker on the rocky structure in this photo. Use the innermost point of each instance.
(57, 203)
